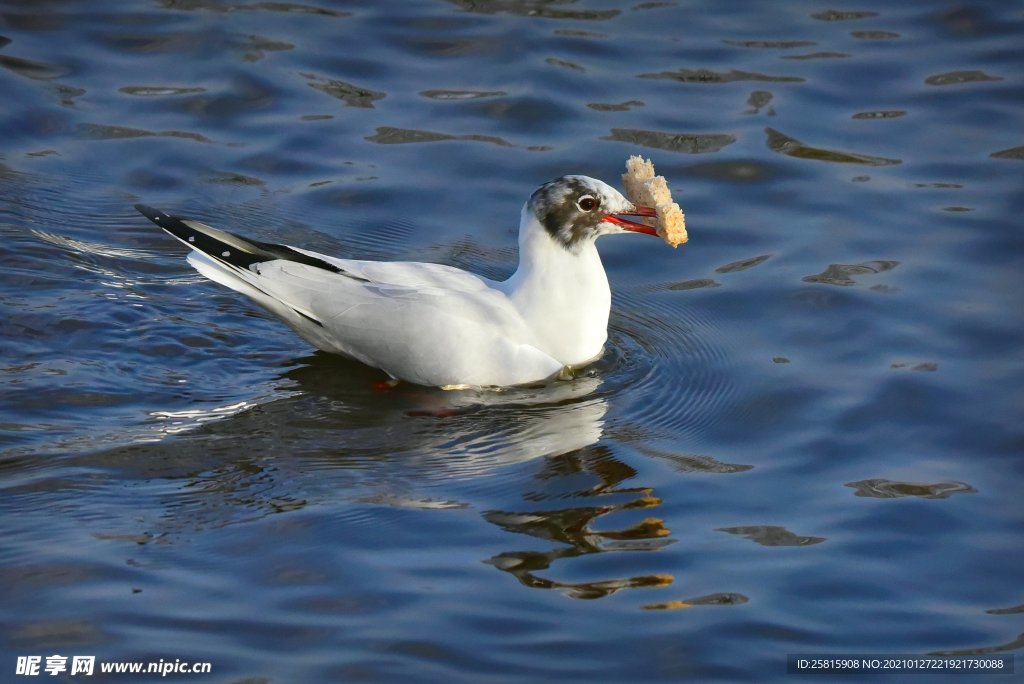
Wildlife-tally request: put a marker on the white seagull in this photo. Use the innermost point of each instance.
(438, 325)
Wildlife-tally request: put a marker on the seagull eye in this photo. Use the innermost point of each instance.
(587, 203)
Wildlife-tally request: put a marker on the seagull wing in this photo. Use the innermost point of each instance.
(425, 323)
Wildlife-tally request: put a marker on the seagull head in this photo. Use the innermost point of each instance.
(576, 210)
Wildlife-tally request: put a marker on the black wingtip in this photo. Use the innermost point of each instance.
(172, 224)
(230, 248)
(154, 215)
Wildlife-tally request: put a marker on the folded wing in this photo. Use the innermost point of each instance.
(412, 320)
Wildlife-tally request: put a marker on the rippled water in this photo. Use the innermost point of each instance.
(805, 435)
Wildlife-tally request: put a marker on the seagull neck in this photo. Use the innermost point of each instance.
(547, 265)
(563, 295)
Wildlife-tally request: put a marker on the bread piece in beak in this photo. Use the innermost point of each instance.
(644, 188)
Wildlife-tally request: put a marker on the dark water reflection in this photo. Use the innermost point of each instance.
(804, 435)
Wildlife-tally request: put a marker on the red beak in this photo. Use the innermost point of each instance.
(633, 225)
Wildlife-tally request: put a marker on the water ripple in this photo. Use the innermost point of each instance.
(836, 15)
(692, 143)
(784, 144)
(275, 6)
(389, 135)
(1012, 153)
(160, 91)
(441, 94)
(844, 274)
(772, 535)
(959, 77)
(880, 488)
(652, 349)
(543, 9)
(704, 76)
(352, 95)
(108, 132)
(716, 599)
(39, 71)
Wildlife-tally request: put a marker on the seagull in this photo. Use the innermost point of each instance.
(437, 325)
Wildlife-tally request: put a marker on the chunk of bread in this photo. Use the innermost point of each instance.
(643, 188)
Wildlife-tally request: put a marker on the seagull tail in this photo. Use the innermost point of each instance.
(230, 260)
(229, 249)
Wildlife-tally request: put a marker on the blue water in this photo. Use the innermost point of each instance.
(804, 437)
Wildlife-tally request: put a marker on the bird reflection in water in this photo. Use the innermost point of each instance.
(440, 440)
(559, 426)
(576, 527)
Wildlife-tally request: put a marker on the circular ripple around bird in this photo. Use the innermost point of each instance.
(668, 359)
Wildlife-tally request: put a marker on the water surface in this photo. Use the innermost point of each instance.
(804, 435)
